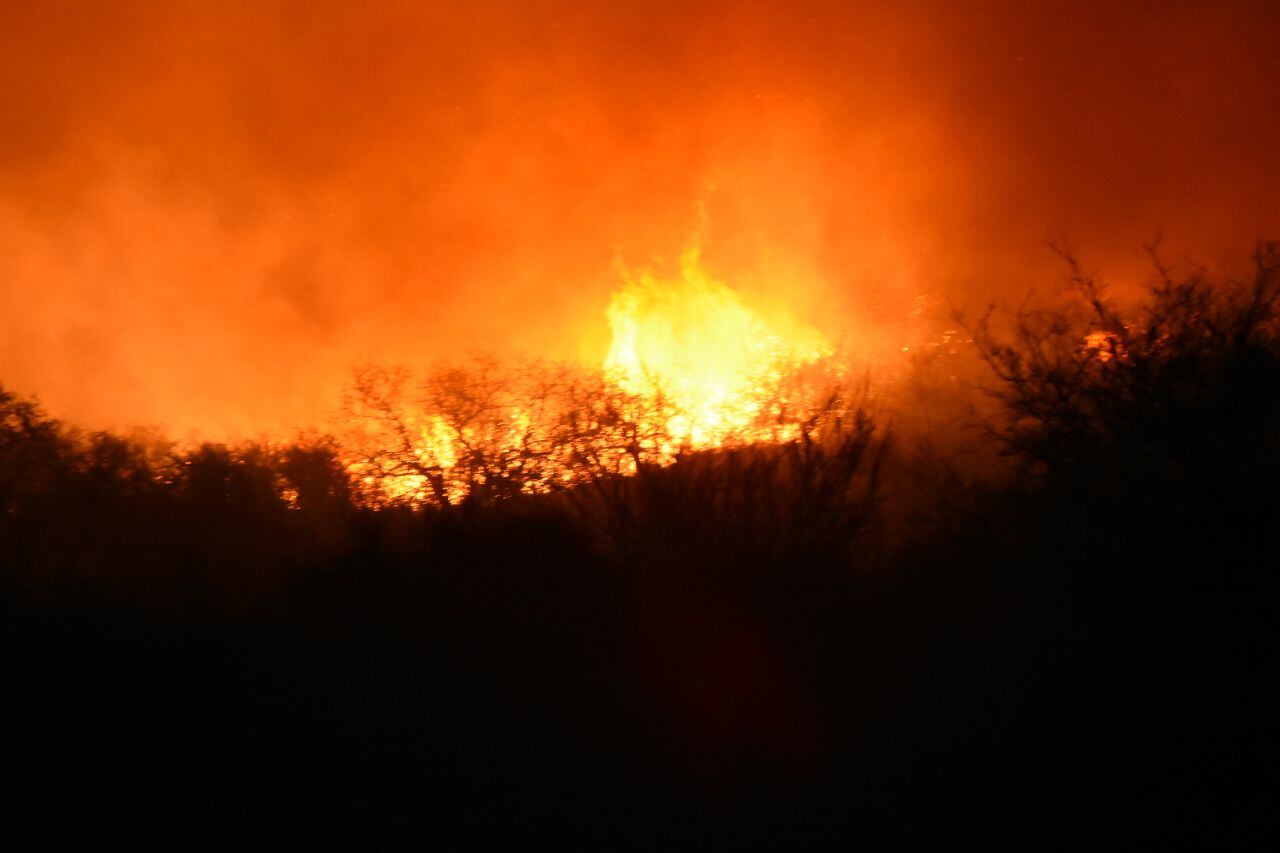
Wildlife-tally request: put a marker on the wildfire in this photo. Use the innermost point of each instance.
(1105, 347)
(718, 365)
(690, 367)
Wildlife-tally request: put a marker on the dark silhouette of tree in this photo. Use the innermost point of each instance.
(480, 430)
(33, 449)
(1173, 407)
(477, 430)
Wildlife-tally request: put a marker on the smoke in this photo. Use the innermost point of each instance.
(210, 212)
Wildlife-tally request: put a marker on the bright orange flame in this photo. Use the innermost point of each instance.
(1105, 346)
(690, 367)
(717, 364)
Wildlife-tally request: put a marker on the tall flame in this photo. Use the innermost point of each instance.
(692, 342)
(691, 367)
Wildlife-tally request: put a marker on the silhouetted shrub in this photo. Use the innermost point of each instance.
(33, 454)
(791, 506)
(1163, 413)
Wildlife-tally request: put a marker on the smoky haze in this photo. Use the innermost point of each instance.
(210, 212)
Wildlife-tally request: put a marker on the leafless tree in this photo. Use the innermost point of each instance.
(1176, 392)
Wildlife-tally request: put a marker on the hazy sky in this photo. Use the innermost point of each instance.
(210, 211)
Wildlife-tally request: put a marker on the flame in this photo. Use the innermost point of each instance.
(691, 367)
(1105, 347)
(717, 365)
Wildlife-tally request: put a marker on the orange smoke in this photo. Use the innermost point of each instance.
(209, 212)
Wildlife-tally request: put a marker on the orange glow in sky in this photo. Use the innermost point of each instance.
(210, 211)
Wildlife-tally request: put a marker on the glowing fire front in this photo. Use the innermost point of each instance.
(690, 367)
(718, 364)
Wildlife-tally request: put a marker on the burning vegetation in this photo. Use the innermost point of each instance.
(690, 368)
(727, 374)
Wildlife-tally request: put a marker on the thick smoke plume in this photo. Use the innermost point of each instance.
(210, 212)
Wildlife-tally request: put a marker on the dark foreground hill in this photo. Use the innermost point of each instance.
(740, 651)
